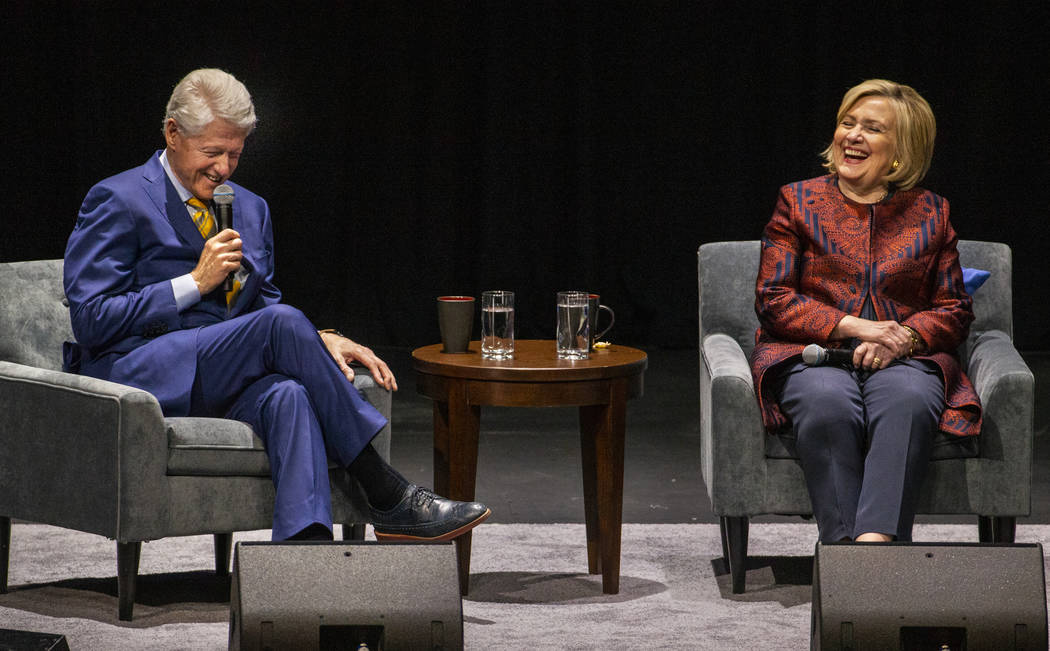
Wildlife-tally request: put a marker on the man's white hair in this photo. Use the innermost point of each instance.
(208, 94)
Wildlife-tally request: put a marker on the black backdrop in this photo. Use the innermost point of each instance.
(415, 149)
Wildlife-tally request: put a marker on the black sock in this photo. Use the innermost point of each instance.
(315, 531)
(383, 485)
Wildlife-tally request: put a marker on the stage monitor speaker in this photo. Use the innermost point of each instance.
(339, 595)
(12, 640)
(942, 597)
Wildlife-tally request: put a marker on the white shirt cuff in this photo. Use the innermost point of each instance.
(186, 293)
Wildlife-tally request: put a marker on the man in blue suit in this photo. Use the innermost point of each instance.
(144, 273)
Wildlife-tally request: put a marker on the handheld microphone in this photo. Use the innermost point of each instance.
(223, 197)
(814, 355)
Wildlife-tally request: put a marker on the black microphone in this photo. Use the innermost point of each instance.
(223, 197)
(814, 355)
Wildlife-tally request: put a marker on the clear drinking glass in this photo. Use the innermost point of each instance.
(574, 331)
(497, 324)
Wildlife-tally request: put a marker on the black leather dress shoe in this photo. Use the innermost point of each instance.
(422, 515)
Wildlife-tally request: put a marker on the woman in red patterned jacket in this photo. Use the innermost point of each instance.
(863, 259)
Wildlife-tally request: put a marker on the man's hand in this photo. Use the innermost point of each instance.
(344, 351)
(221, 257)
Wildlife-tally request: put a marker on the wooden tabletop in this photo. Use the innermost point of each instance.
(535, 360)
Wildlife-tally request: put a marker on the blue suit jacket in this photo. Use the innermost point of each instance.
(133, 235)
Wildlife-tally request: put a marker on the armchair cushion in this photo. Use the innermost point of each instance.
(218, 447)
(34, 320)
(214, 446)
(945, 446)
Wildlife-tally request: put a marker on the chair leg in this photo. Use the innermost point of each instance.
(984, 528)
(1005, 529)
(353, 532)
(223, 546)
(735, 530)
(5, 550)
(725, 541)
(128, 554)
(996, 529)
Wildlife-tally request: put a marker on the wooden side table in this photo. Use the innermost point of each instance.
(461, 383)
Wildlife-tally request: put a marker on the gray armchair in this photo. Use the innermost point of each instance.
(100, 457)
(749, 472)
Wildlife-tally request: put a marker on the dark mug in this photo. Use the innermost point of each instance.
(455, 320)
(593, 307)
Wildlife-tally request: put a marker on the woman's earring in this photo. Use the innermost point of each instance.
(896, 164)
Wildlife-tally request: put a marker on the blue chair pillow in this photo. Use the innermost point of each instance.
(974, 278)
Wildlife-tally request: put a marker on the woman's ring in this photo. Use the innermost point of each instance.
(875, 363)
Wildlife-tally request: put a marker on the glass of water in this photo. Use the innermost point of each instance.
(574, 330)
(497, 324)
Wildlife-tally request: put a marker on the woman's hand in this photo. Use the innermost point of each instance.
(890, 335)
(344, 351)
(872, 357)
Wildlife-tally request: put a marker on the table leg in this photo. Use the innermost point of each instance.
(602, 432)
(589, 417)
(456, 427)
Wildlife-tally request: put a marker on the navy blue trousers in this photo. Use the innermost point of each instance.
(864, 442)
(270, 369)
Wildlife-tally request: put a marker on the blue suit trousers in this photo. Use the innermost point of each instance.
(270, 369)
(864, 442)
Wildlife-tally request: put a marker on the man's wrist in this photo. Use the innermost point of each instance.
(186, 290)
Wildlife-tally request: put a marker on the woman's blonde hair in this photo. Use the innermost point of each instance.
(915, 129)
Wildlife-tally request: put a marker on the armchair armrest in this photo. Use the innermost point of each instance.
(73, 444)
(994, 363)
(732, 437)
(1006, 387)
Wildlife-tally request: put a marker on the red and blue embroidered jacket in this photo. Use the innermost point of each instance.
(823, 255)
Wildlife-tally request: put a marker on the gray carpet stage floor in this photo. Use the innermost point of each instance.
(529, 589)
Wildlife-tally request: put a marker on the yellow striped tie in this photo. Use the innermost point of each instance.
(231, 295)
(206, 225)
(202, 218)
